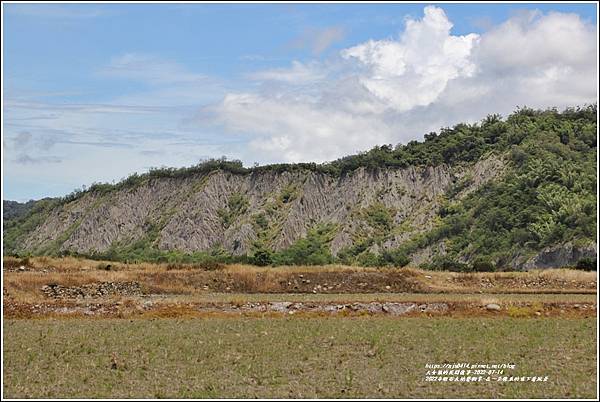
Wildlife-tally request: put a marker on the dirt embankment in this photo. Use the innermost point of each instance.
(44, 277)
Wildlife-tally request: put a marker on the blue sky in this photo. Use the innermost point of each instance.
(94, 92)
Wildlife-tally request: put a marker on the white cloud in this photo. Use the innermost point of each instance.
(151, 70)
(65, 145)
(289, 130)
(298, 73)
(532, 39)
(395, 90)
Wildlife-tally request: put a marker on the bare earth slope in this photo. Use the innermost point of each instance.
(230, 211)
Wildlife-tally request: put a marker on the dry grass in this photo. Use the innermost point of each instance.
(237, 278)
(71, 264)
(302, 268)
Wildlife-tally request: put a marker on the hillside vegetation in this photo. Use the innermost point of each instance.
(498, 194)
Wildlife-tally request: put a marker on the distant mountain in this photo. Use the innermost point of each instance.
(516, 193)
(15, 209)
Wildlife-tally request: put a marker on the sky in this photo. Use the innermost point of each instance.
(96, 92)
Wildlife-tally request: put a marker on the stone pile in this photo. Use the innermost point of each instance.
(92, 290)
(390, 308)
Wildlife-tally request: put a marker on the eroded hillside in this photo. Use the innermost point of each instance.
(515, 193)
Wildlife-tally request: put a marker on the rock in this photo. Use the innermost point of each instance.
(114, 362)
(98, 289)
(493, 307)
(398, 308)
(562, 255)
(434, 307)
(280, 306)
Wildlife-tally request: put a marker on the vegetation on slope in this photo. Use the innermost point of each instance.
(548, 197)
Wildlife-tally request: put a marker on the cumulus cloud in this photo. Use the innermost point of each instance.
(414, 70)
(395, 90)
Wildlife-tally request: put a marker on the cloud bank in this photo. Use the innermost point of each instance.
(395, 90)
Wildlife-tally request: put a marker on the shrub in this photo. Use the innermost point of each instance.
(482, 264)
(261, 257)
(311, 250)
(396, 258)
(368, 259)
(587, 264)
(447, 263)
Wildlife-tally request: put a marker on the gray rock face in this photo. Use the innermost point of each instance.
(198, 212)
(564, 255)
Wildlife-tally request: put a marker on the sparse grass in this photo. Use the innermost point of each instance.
(363, 357)
(504, 299)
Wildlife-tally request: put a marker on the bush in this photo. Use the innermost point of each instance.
(368, 259)
(587, 264)
(483, 265)
(447, 263)
(261, 257)
(311, 250)
(396, 258)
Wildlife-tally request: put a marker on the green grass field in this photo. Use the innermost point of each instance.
(373, 357)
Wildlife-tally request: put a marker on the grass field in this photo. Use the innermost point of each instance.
(375, 357)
